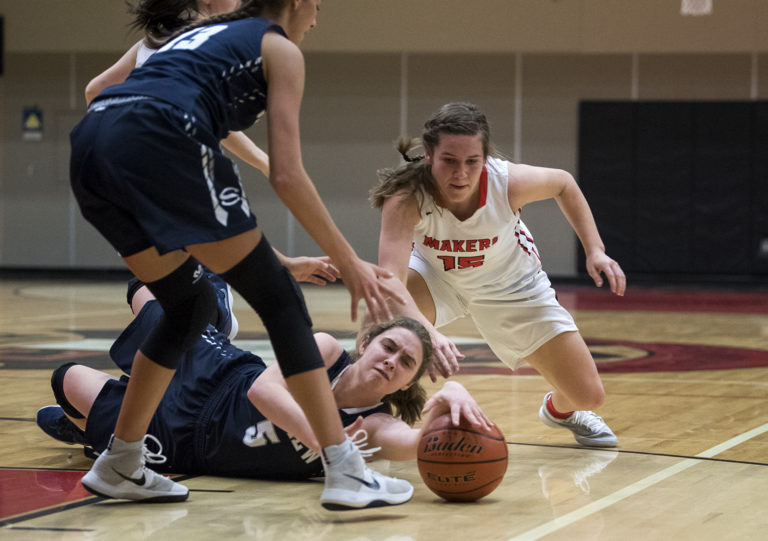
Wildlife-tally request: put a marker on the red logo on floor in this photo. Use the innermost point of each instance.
(25, 491)
(623, 356)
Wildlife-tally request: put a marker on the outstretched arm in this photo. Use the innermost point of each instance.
(315, 270)
(399, 217)
(398, 441)
(241, 146)
(270, 395)
(453, 398)
(528, 184)
(284, 69)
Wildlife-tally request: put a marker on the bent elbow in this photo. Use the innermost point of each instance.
(254, 395)
(90, 93)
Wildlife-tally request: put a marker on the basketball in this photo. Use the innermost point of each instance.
(461, 463)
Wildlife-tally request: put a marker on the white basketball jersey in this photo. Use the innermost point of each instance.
(489, 255)
(143, 53)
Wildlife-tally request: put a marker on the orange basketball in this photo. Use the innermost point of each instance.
(461, 463)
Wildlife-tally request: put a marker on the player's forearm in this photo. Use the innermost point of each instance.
(397, 443)
(575, 208)
(279, 407)
(409, 308)
(301, 198)
(241, 146)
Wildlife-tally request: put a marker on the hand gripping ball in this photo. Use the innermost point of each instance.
(461, 463)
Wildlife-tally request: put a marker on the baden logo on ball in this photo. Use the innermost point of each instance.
(461, 463)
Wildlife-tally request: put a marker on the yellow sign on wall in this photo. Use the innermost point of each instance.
(32, 124)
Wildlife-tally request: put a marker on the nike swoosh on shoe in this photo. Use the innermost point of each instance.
(141, 481)
(373, 485)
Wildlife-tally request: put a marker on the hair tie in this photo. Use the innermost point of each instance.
(412, 160)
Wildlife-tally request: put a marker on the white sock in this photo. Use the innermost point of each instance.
(334, 454)
(116, 445)
(127, 454)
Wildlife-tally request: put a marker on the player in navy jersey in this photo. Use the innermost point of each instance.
(158, 20)
(451, 230)
(148, 172)
(226, 413)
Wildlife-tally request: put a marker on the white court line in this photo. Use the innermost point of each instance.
(634, 488)
(86, 344)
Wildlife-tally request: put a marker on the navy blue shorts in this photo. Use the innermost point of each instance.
(213, 378)
(183, 421)
(146, 173)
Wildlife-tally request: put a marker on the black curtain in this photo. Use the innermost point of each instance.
(678, 188)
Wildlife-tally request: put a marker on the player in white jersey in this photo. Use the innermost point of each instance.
(451, 231)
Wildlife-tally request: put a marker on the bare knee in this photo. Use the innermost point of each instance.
(81, 386)
(590, 397)
(565, 361)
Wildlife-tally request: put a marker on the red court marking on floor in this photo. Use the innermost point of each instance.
(656, 300)
(652, 357)
(24, 491)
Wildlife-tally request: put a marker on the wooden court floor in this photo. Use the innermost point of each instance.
(686, 374)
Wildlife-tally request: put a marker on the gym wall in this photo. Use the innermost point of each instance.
(375, 70)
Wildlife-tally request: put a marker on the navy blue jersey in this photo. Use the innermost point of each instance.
(205, 422)
(234, 438)
(212, 72)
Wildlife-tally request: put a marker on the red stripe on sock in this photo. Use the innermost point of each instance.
(551, 409)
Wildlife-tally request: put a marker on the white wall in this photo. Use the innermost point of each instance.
(375, 70)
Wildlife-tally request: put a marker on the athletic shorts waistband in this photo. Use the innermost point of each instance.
(109, 102)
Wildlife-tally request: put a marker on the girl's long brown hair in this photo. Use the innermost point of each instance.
(406, 404)
(248, 8)
(159, 19)
(415, 175)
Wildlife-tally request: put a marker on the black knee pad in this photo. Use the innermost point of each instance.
(134, 284)
(189, 305)
(57, 384)
(270, 289)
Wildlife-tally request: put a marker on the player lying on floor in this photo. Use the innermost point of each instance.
(227, 413)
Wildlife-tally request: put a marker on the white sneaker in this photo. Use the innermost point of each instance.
(588, 428)
(349, 484)
(142, 484)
